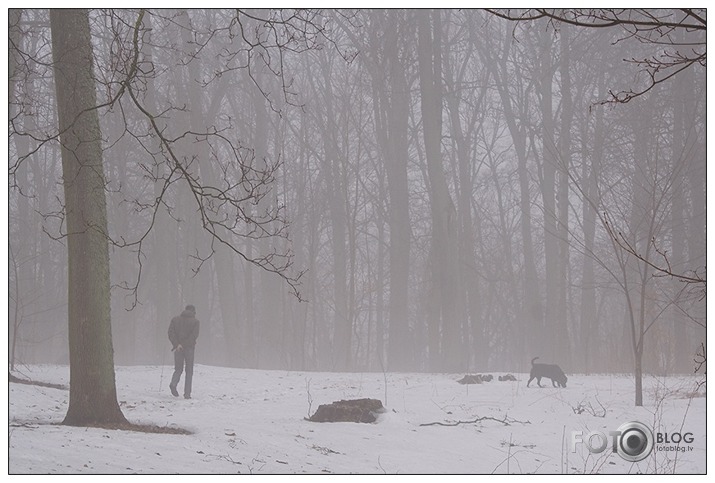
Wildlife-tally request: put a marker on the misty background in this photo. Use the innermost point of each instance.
(430, 190)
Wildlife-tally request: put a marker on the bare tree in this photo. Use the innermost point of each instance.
(515, 105)
(436, 186)
(446, 344)
(385, 52)
(465, 125)
(661, 266)
(93, 394)
(633, 212)
(223, 180)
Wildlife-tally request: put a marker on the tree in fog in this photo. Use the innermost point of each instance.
(221, 178)
(385, 58)
(442, 176)
(446, 305)
(385, 53)
(638, 211)
(655, 189)
(643, 228)
(93, 394)
(496, 53)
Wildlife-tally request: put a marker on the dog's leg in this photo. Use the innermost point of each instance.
(530, 379)
(538, 381)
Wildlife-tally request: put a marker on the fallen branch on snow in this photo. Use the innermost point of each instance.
(15, 379)
(506, 421)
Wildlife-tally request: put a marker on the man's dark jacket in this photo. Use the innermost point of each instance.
(184, 330)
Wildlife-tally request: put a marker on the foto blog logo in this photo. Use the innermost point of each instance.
(633, 441)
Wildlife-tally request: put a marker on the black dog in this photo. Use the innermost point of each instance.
(551, 371)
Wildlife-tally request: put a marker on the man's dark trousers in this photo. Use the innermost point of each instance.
(185, 355)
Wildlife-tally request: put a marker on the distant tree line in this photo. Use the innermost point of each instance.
(432, 190)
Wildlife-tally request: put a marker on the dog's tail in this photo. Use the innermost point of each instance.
(532, 360)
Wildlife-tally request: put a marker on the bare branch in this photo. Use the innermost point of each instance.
(663, 270)
(648, 26)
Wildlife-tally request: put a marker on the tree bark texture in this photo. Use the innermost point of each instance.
(93, 396)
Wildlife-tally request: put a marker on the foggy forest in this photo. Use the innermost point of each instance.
(359, 190)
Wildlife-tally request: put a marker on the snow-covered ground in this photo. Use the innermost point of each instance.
(252, 421)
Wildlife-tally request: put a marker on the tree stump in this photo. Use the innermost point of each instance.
(354, 410)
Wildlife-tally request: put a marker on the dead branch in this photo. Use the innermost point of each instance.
(506, 421)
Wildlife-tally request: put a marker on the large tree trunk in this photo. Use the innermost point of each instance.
(93, 395)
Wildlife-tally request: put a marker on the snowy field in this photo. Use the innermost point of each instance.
(252, 421)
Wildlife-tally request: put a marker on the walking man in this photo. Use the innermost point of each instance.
(183, 332)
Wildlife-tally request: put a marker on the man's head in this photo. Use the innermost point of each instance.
(191, 308)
